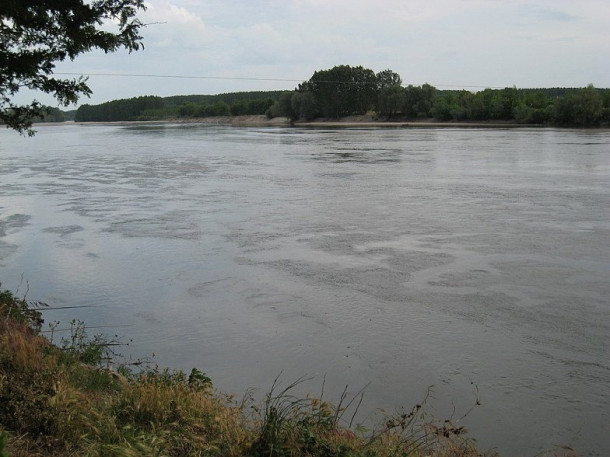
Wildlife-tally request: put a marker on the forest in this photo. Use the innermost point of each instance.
(345, 90)
(181, 106)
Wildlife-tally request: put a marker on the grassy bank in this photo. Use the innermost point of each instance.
(73, 398)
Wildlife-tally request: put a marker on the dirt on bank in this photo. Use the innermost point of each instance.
(349, 121)
(366, 120)
(249, 120)
(242, 121)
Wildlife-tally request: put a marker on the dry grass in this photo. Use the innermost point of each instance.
(54, 404)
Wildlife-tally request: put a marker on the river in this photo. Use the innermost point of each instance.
(395, 259)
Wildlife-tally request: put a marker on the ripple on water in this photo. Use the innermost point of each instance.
(404, 257)
(64, 230)
(13, 222)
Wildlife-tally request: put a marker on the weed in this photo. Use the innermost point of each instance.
(65, 400)
(199, 381)
(80, 347)
(292, 425)
(3, 444)
(21, 311)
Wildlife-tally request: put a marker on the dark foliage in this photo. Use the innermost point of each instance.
(192, 106)
(36, 34)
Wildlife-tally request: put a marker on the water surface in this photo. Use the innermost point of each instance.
(397, 258)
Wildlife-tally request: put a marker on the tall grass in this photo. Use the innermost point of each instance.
(62, 400)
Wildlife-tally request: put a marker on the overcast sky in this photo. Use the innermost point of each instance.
(447, 43)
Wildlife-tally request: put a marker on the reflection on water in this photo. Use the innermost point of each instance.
(401, 257)
(342, 155)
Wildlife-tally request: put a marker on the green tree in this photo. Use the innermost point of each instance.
(303, 105)
(388, 78)
(419, 100)
(51, 115)
(606, 106)
(259, 105)
(36, 34)
(583, 107)
(364, 89)
(504, 102)
(481, 105)
(239, 108)
(188, 110)
(282, 107)
(412, 95)
(343, 90)
(465, 106)
(532, 107)
(424, 107)
(120, 110)
(390, 100)
(444, 107)
(219, 108)
(390, 94)
(589, 106)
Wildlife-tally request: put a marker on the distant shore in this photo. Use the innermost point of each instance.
(349, 122)
(243, 121)
(368, 121)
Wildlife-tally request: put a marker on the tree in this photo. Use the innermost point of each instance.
(37, 34)
(390, 100)
(388, 78)
(239, 108)
(303, 105)
(282, 107)
(127, 109)
(419, 100)
(390, 94)
(583, 107)
(343, 90)
(504, 103)
(445, 107)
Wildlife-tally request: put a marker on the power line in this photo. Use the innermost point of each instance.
(181, 76)
(243, 78)
(470, 86)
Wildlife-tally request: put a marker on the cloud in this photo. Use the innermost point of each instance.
(549, 14)
(452, 42)
(170, 25)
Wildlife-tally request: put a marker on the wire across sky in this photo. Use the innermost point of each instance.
(238, 78)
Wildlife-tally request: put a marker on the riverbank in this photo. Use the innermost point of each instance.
(369, 121)
(237, 121)
(364, 121)
(73, 398)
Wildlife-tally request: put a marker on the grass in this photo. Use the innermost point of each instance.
(63, 400)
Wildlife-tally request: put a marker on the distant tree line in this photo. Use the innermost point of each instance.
(50, 114)
(191, 106)
(118, 110)
(345, 90)
(588, 107)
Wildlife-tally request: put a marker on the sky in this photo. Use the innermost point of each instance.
(238, 45)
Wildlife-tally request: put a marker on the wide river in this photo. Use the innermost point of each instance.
(395, 259)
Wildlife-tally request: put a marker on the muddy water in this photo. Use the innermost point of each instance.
(392, 258)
